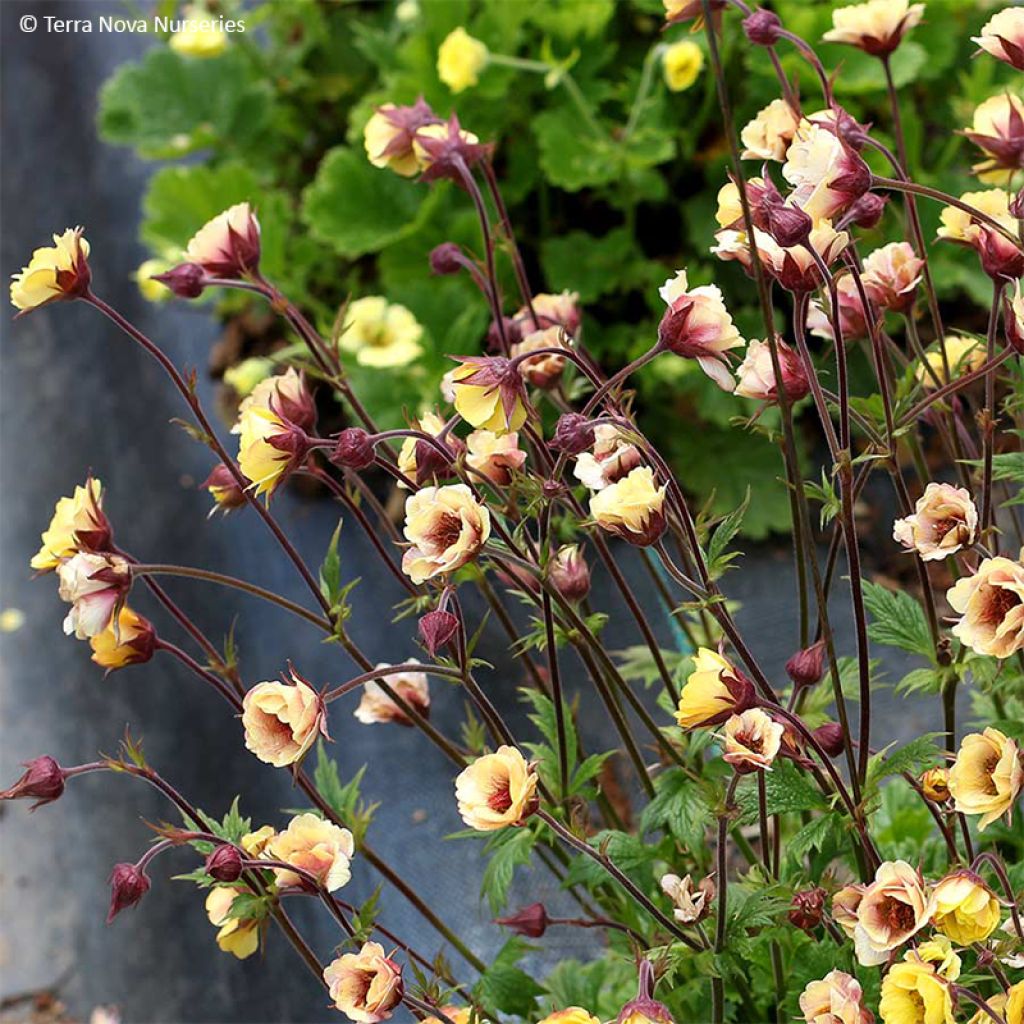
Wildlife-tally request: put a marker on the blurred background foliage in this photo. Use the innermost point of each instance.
(610, 177)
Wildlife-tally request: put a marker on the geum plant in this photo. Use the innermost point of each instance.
(765, 859)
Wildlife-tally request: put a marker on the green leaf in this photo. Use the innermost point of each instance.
(603, 986)
(683, 807)
(787, 789)
(718, 559)
(510, 849)
(913, 757)
(627, 852)
(899, 621)
(330, 570)
(572, 155)
(814, 835)
(589, 265)
(505, 986)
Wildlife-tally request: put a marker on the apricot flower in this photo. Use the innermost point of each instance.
(497, 790)
(318, 847)
(631, 508)
(446, 526)
(1003, 37)
(945, 520)
(987, 776)
(991, 606)
(366, 986)
(376, 706)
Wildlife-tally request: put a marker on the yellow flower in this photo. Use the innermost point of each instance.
(826, 174)
(914, 992)
(631, 508)
(768, 136)
(376, 706)
(256, 843)
(894, 908)
(453, 1015)
(835, 999)
(238, 936)
(201, 37)
(484, 403)
(1003, 37)
(318, 847)
(991, 605)
(228, 245)
(497, 790)
(752, 740)
(875, 27)
(998, 131)
(494, 456)
(282, 720)
(78, 523)
(460, 60)
(390, 132)
(366, 986)
(690, 902)
(997, 1003)
(268, 448)
(446, 526)
(964, 355)
(714, 690)
(935, 784)
(571, 1015)
(150, 290)
(987, 776)
(612, 457)
(60, 271)
(131, 642)
(681, 64)
(380, 334)
(966, 909)
(284, 394)
(243, 377)
(944, 521)
(939, 952)
(1015, 1004)
(428, 423)
(960, 226)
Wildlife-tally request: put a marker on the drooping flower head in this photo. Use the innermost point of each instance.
(1003, 37)
(78, 524)
(545, 370)
(569, 573)
(560, 309)
(412, 447)
(95, 586)
(987, 776)
(966, 909)
(891, 276)
(770, 133)
(377, 707)
(756, 374)
(998, 131)
(130, 640)
(366, 986)
(229, 245)
(917, 991)
(444, 150)
(1013, 316)
(612, 456)
(691, 902)
(836, 999)
(283, 719)
(752, 740)
(389, 133)
(714, 691)
(42, 781)
(1001, 257)
(497, 790)
(489, 393)
(944, 521)
(380, 334)
(224, 489)
(460, 60)
(318, 847)
(494, 456)
(991, 606)
(239, 936)
(853, 318)
(269, 449)
(631, 508)
(56, 272)
(826, 173)
(286, 395)
(894, 908)
(876, 27)
(446, 527)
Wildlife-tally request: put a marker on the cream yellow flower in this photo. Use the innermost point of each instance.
(1001, 257)
(1003, 37)
(284, 394)
(487, 397)
(95, 586)
(891, 275)
(389, 134)
(915, 992)
(991, 606)
(268, 449)
(964, 355)
(282, 720)
(320, 848)
(966, 909)
(987, 776)
(752, 740)
(376, 706)
(494, 456)
(448, 133)
(238, 936)
(150, 290)
(997, 1003)
(1015, 1004)
(998, 130)
(366, 986)
(454, 1015)
(60, 271)
(631, 508)
(681, 63)
(714, 691)
(845, 904)
(768, 136)
(243, 377)
(380, 334)
(446, 526)
(876, 27)
(428, 423)
(826, 174)
(945, 520)
(935, 784)
(227, 246)
(255, 843)
(755, 376)
(544, 371)
(571, 1015)
(894, 908)
(200, 36)
(460, 60)
(612, 457)
(130, 642)
(497, 790)
(78, 523)
(835, 999)
(690, 902)
(552, 309)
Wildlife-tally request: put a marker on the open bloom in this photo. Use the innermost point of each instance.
(991, 605)
(488, 393)
(894, 908)
(944, 521)
(269, 449)
(680, 64)
(697, 325)
(571, 1015)
(495, 456)
(611, 458)
(752, 740)
(379, 333)
(835, 999)
(631, 508)
(131, 640)
(1000, 256)
(845, 904)
(389, 133)
(987, 776)
(366, 986)
(460, 60)
(690, 902)
(229, 245)
(756, 374)
(95, 586)
(1003, 37)
(497, 790)
(998, 131)
(876, 27)
(60, 271)
(826, 173)
(78, 524)
(446, 526)
(559, 309)
(239, 936)
(768, 136)
(282, 720)
(543, 371)
(891, 276)
(916, 991)
(318, 847)
(853, 322)
(714, 691)
(966, 909)
(376, 706)
(962, 355)
(284, 394)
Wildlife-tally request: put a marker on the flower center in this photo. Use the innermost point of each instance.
(446, 530)
(999, 604)
(500, 799)
(899, 916)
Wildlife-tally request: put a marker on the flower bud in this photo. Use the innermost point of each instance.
(354, 449)
(228, 245)
(788, 225)
(574, 434)
(763, 28)
(430, 463)
(806, 667)
(935, 784)
(513, 333)
(1016, 206)
(436, 628)
(830, 738)
(807, 909)
(645, 1009)
(530, 922)
(224, 863)
(185, 280)
(43, 781)
(446, 258)
(224, 489)
(128, 884)
(570, 574)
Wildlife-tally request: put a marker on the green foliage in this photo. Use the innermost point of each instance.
(509, 849)
(897, 620)
(683, 807)
(505, 985)
(343, 798)
(787, 789)
(604, 985)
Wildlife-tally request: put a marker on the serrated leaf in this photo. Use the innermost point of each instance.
(897, 620)
(330, 568)
(913, 757)
(787, 790)
(511, 849)
(682, 806)
(505, 986)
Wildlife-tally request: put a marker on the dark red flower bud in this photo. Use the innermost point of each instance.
(186, 280)
(569, 573)
(763, 28)
(128, 884)
(531, 921)
(436, 628)
(807, 909)
(830, 738)
(866, 211)
(224, 863)
(788, 225)
(573, 434)
(806, 667)
(1017, 205)
(513, 333)
(224, 488)
(43, 781)
(446, 258)
(354, 449)
(430, 463)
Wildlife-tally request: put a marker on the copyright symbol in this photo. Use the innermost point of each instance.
(28, 22)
